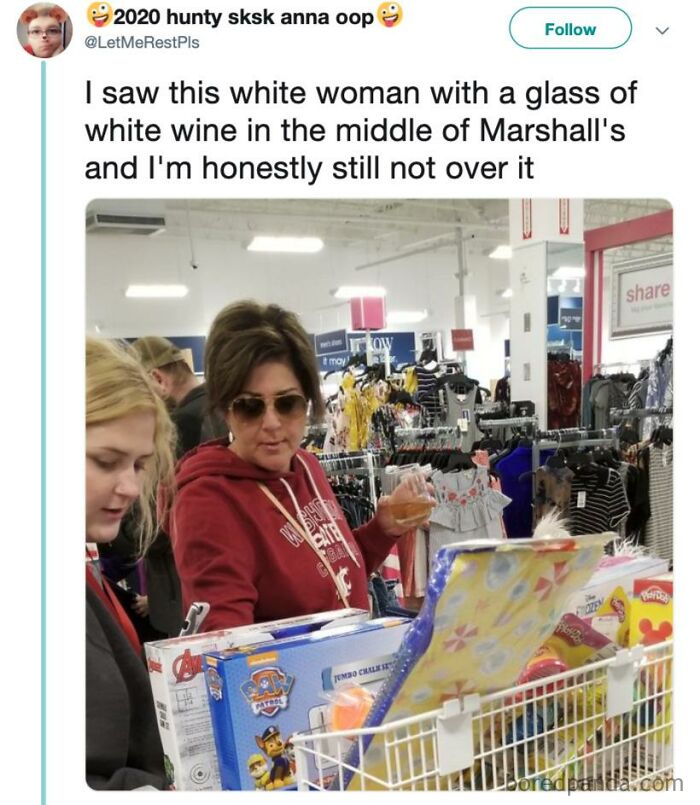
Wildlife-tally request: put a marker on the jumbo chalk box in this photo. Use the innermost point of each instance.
(261, 695)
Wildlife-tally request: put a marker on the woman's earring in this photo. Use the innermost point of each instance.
(230, 437)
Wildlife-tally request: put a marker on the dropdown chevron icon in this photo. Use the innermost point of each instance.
(662, 32)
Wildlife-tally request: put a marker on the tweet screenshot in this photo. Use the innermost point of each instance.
(348, 335)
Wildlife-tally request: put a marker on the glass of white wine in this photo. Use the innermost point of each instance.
(414, 507)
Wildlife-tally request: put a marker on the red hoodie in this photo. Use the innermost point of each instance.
(234, 549)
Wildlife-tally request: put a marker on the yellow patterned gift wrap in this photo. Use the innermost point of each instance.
(488, 608)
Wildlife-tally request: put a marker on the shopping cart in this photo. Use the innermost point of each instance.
(607, 726)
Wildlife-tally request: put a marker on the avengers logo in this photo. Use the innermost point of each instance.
(186, 667)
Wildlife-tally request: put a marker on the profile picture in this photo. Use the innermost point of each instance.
(44, 30)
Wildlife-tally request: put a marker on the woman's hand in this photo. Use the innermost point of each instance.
(406, 507)
(140, 605)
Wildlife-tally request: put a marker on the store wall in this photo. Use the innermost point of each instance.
(303, 283)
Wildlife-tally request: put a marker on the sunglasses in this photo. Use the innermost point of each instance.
(289, 406)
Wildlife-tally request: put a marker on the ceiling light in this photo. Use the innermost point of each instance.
(156, 291)
(501, 253)
(293, 245)
(406, 316)
(507, 293)
(570, 273)
(355, 291)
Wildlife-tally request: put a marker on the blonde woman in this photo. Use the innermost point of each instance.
(127, 454)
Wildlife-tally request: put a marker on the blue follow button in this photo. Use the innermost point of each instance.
(570, 27)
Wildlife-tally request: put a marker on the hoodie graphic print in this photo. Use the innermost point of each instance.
(235, 550)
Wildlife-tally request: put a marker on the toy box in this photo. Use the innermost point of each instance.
(604, 602)
(261, 695)
(652, 610)
(180, 694)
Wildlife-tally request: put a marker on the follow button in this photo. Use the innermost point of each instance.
(570, 27)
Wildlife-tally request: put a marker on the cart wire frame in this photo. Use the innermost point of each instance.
(605, 726)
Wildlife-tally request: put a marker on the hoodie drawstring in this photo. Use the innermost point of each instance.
(328, 514)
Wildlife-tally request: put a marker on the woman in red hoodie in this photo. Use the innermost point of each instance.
(255, 527)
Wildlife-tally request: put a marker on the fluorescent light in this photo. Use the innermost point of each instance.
(507, 293)
(570, 273)
(355, 291)
(406, 316)
(501, 253)
(156, 291)
(274, 244)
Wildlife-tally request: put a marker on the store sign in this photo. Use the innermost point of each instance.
(571, 318)
(642, 297)
(526, 207)
(462, 340)
(564, 216)
(328, 343)
(401, 346)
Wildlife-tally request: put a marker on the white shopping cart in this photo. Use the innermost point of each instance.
(607, 726)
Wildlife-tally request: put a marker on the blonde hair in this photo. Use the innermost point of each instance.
(116, 385)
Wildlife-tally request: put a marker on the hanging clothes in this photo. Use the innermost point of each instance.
(658, 531)
(502, 393)
(515, 472)
(660, 388)
(563, 393)
(427, 394)
(597, 503)
(461, 407)
(468, 508)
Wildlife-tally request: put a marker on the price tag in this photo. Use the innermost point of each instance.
(581, 500)
(463, 425)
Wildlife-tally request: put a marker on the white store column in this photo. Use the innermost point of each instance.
(535, 223)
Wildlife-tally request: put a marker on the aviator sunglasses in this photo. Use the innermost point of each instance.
(249, 409)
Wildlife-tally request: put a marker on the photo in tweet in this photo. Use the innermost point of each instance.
(444, 424)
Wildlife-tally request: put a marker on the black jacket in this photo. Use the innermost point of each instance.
(194, 422)
(123, 748)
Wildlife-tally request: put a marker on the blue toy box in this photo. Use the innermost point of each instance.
(260, 696)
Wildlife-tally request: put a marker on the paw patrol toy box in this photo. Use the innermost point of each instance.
(261, 695)
(180, 692)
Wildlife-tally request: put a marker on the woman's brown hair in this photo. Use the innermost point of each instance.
(245, 335)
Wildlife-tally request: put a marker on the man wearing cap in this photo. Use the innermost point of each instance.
(178, 384)
(169, 368)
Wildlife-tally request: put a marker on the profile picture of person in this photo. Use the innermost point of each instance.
(44, 30)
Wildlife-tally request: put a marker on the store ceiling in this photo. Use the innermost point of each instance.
(379, 226)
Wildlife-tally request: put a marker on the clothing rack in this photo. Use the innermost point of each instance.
(623, 364)
(352, 464)
(510, 422)
(574, 435)
(569, 437)
(489, 407)
(639, 413)
(448, 436)
(426, 433)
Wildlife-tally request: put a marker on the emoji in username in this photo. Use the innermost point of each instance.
(100, 14)
(390, 14)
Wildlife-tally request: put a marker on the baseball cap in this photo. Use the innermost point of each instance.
(155, 352)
